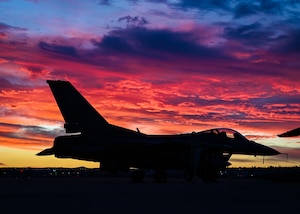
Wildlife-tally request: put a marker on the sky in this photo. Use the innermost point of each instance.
(163, 66)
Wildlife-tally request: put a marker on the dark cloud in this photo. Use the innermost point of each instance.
(4, 84)
(4, 26)
(34, 1)
(197, 100)
(276, 39)
(244, 9)
(253, 35)
(237, 9)
(271, 6)
(60, 49)
(278, 99)
(204, 4)
(104, 2)
(156, 43)
(290, 43)
(35, 71)
(27, 132)
(266, 104)
(247, 8)
(114, 44)
(2, 35)
(133, 21)
(15, 135)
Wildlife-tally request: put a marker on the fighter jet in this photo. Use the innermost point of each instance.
(198, 154)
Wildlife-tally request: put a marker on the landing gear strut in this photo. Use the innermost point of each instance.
(206, 169)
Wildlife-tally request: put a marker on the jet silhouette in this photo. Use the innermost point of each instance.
(291, 133)
(199, 154)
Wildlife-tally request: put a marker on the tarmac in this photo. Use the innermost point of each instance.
(120, 195)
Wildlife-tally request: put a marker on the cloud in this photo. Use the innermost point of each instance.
(4, 84)
(13, 83)
(207, 71)
(133, 21)
(289, 43)
(248, 8)
(252, 35)
(245, 9)
(34, 1)
(30, 134)
(104, 2)
(35, 71)
(4, 26)
(114, 44)
(157, 43)
(60, 49)
(204, 4)
(239, 8)
(162, 66)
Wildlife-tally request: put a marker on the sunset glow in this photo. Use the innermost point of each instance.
(164, 67)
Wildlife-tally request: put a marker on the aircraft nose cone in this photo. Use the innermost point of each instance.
(260, 149)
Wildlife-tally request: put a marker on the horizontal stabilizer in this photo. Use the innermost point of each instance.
(45, 152)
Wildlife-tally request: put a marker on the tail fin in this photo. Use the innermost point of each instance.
(78, 113)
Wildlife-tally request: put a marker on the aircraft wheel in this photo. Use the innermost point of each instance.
(137, 176)
(160, 177)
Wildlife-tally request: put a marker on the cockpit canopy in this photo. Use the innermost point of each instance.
(230, 133)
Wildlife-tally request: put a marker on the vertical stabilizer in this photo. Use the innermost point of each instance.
(78, 113)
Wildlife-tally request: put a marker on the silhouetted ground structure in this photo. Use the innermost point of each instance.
(283, 174)
(99, 193)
